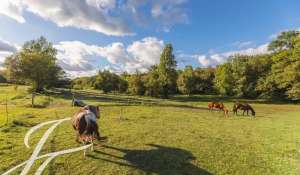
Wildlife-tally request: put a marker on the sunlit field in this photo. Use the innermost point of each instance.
(154, 136)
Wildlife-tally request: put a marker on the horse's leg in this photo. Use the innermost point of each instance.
(247, 112)
(84, 151)
(244, 112)
(92, 147)
(77, 137)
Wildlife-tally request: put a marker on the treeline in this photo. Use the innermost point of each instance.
(273, 75)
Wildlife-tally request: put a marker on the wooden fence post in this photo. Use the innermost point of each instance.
(32, 99)
(6, 109)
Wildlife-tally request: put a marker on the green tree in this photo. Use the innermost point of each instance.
(286, 40)
(204, 80)
(36, 64)
(224, 81)
(167, 72)
(152, 84)
(108, 82)
(136, 85)
(2, 78)
(186, 81)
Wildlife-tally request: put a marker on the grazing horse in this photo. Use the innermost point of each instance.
(245, 107)
(215, 105)
(84, 122)
(219, 106)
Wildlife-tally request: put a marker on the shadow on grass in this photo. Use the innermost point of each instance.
(160, 160)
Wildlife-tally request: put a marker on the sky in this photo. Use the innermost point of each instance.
(129, 35)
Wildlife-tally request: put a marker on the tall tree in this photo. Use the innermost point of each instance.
(36, 64)
(167, 72)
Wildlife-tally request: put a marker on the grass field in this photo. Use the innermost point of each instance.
(154, 136)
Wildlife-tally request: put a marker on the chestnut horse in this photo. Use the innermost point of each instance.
(245, 107)
(217, 105)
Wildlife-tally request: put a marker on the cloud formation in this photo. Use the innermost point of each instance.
(110, 17)
(76, 57)
(214, 59)
(6, 49)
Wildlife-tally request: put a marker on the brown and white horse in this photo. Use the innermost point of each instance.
(85, 124)
(245, 107)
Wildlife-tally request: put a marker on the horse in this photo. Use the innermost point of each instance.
(85, 123)
(216, 105)
(245, 107)
(219, 106)
(79, 103)
(226, 111)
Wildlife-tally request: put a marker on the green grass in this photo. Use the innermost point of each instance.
(154, 136)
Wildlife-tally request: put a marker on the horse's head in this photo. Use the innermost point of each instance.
(253, 112)
(93, 109)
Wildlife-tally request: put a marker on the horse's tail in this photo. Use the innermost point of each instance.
(82, 125)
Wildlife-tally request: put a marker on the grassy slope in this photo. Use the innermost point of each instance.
(156, 136)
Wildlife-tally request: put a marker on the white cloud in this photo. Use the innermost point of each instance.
(147, 51)
(12, 9)
(169, 12)
(7, 47)
(115, 53)
(85, 14)
(3, 55)
(242, 45)
(76, 57)
(110, 17)
(204, 61)
(219, 58)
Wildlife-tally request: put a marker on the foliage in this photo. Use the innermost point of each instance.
(286, 40)
(166, 71)
(136, 85)
(152, 84)
(186, 81)
(36, 64)
(83, 82)
(2, 78)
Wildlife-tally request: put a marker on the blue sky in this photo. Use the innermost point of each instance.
(128, 35)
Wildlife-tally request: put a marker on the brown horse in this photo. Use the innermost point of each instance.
(217, 105)
(84, 122)
(245, 107)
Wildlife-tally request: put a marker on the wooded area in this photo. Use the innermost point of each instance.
(273, 75)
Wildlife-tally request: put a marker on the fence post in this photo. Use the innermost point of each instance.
(6, 110)
(32, 99)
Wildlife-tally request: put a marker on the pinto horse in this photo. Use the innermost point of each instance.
(85, 123)
(245, 107)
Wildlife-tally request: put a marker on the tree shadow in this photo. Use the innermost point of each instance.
(161, 160)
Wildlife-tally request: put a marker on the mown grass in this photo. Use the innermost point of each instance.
(154, 136)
